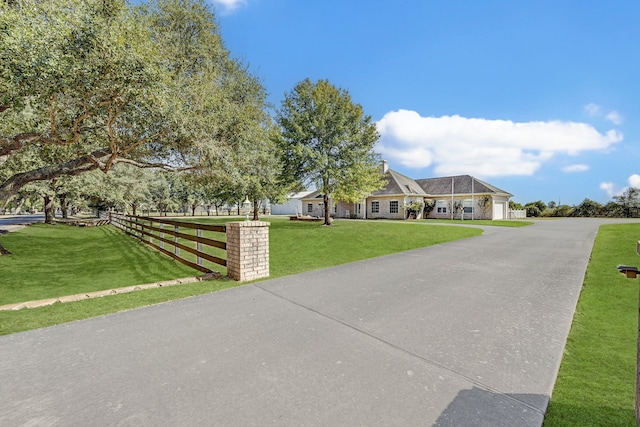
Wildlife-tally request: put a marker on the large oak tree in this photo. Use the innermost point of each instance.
(327, 141)
(94, 83)
(109, 83)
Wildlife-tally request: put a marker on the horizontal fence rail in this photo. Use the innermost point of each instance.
(173, 238)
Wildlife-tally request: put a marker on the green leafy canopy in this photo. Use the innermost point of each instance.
(328, 141)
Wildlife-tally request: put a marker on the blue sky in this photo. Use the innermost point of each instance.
(540, 98)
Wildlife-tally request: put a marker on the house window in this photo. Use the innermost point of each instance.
(441, 206)
(375, 207)
(310, 208)
(393, 206)
(468, 206)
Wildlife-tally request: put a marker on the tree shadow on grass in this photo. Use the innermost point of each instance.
(141, 260)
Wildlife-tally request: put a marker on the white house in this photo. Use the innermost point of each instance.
(292, 206)
(449, 197)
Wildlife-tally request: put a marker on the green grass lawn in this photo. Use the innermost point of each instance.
(50, 261)
(296, 246)
(55, 260)
(596, 382)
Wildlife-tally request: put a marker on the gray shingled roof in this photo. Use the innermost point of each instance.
(399, 184)
(461, 185)
(316, 194)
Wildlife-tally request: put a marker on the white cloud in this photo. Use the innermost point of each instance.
(610, 189)
(593, 110)
(614, 117)
(575, 168)
(229, 5)
(634, 180)
(486, 148)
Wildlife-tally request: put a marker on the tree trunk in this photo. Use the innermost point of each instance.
(256, 209)
(327, 210)
(64, 206)
(49, 210)
(134, 208)
(193, 209)
(3, 251)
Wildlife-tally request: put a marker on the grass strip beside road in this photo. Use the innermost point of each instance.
(596, 381)
(52, 261)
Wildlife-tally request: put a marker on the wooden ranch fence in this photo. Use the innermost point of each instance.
(173, 238)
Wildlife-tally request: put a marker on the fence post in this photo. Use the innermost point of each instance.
(176, 249)
(199, 247)
(247, 250)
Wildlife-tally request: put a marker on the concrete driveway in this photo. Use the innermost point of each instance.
(468, 333)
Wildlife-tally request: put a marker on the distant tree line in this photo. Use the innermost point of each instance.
(625, 205)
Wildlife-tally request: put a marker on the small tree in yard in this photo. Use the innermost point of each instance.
(327, 141)
(429, 206)
(484, 203)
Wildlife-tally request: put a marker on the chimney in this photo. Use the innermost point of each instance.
(385, 166)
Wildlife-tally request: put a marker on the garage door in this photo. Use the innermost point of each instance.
(498, 210)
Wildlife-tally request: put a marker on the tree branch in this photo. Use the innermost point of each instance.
(103, 159)
(9, 145)
(76, 166)
(163, 166)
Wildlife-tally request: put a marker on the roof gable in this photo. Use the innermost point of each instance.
(300, 195)
(462, 184)
(399, 184)
(316, 194)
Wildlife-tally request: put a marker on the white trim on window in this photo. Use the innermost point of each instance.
(467, 205)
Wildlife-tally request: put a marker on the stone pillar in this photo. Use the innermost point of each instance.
(247, 250)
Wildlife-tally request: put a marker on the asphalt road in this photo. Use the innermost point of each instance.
(468, 333)
(14, 222)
